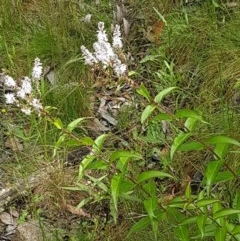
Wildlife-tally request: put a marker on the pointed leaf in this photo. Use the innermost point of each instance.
(58, 123)
(206, 202)
(201, 221)
(144, 92)
(84, 164)
(236, 230)
(221, 234)
(147, 112)
(115, 186)
(190, 124)
(222, 140)
(178, 141)
(98, 143)
(213, 168)
(150, 206)
(186, 113)
(152, 174)
(128, 154)
(191, 146)
(142, 224)
(162, 116)
(72, 125)
(182, 233)
(225, 212)
(158, 98)
(60, 140)
(221, 150)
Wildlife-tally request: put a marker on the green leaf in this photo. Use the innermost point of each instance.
(189, 220)
(131, 73)
(222, 140)
(98, 143)
(158, 98)
(212, 170)
(98, 182)
(186, 113)
(122, 164)
(191, 146)
(201, 221)
(150, 206)
(190, 124)
(151, 188)
(149, 58)
(147, 112)
(59, 142)
(84, 164)
(115, 186)
(221, 150)
(160, 16)
(98, 165)
(236, 230)
(58, 123)
(126, 186)
(206, 202)
(122, 154)
(83, 202)
(142, 224)
(174, 216)
(215, 4)
(72, 125)
(84, 141)
(152, 174)
(188, 191)
(182, 233)
(225, 212)
(223, 177)
(221, 234)
(144, 92)
(178, 141)
(162, 116)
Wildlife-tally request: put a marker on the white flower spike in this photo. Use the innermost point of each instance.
(37, 69)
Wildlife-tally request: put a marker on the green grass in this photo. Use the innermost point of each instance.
(200, 43)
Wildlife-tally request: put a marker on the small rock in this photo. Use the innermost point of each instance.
(6, 218)
(29, 231)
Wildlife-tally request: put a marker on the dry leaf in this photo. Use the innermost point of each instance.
(154, 31)
(80, 212)
(13, 143)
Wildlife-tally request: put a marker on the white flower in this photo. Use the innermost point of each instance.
(87, 18)
(26, 85)
(103, 52)
(117, 40)
(36, 104)
(101, 33)
(88, 56)
(37, 69)
(9, 81)
(21, 93)
(10, 98)
(26, 110)
(119, 68)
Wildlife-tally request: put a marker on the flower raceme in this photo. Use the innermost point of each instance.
(22, 94)
(104, 53)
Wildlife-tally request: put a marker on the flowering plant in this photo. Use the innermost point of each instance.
(104, 53)
(22, 94)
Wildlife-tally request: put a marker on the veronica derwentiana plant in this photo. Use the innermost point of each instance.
(23, 93)
(105, 53)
